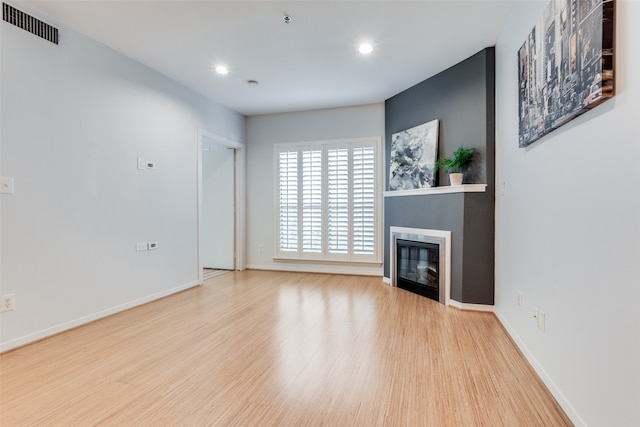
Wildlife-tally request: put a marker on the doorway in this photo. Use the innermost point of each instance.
(218, 225)
(220, 207)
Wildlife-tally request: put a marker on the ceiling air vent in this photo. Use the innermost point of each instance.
(29, 23)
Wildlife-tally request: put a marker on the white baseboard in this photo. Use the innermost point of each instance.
(36, 336)
(470, 307)
(356, 270)
(546, 379)
(456, 304)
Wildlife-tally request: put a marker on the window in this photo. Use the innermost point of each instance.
(328, 201)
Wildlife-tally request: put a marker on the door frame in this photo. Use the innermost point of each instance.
(239, 193)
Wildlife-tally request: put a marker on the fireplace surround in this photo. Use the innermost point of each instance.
(414, 266)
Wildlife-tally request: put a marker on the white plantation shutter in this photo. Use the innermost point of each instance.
(327, 202)
(312, 201)
(363, 200)
(288, 201)
(338, 200)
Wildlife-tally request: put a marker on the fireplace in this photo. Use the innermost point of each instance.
(418, 268)
(421, 262)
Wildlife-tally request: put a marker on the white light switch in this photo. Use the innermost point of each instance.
(6, 185)
(141, 163)
(141, 246)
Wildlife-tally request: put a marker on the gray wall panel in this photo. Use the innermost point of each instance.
(478, 261)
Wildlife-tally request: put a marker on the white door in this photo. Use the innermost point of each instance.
(218, 205)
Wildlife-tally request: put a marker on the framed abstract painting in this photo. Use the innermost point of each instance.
(413, 157)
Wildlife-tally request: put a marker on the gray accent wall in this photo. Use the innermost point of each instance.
(463, 99)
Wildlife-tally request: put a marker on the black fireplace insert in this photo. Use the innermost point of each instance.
(418, 268)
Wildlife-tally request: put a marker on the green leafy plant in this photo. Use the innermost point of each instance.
(458, 162)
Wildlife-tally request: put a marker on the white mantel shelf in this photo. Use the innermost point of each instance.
(465, 188)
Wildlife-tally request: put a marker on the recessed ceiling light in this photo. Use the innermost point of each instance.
(365, 48)
(221, 69)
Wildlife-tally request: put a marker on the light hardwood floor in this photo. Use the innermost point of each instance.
(259, 348)
(209, 273)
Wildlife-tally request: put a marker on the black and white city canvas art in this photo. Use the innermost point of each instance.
(565, 65)
(413, 157)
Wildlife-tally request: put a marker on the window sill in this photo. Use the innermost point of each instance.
(327, 261)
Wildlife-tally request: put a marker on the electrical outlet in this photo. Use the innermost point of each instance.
(542, 321)
(6, 185)
(520, 300)
(260, 249)
(141, 246)
(7, 302)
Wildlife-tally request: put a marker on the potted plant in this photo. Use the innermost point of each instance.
(457, 163)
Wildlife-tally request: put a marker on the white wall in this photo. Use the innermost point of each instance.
(568, 235)
(74, 119)
(265, 131)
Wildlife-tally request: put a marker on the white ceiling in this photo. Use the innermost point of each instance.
(311, 63)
